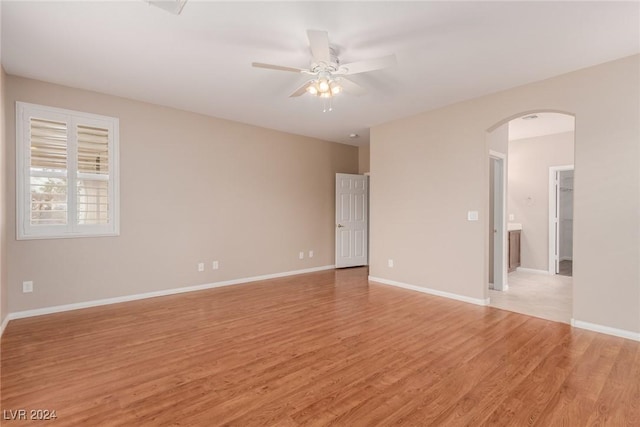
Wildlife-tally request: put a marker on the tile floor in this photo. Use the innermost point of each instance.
(565, 268)
(538, 295)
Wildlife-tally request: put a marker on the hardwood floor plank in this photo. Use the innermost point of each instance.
(326, 348)
(625, 371)
(393, 381)
(509, 372)
(572, 401)
(525, 404)
(435, 396)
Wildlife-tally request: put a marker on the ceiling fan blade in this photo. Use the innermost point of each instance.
(301, 90)
(351, 87)
(277, 67)
(368, 65)
(319, 44)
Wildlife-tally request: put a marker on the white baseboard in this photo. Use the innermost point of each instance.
(165, 292)
(430, 291)
(532, 270)
(505, 287)
(606, 330)
(4, 324)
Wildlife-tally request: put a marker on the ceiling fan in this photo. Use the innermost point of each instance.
(327, 74)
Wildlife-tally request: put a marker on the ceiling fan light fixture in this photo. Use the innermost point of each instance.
(312, 90)
(336, 89)
(323, 85)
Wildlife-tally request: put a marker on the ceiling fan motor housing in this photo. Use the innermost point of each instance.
(320, 67)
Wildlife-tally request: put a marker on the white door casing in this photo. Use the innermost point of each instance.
(499, 226)
(554, 216)
(351, 220)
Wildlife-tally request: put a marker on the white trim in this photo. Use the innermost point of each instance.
(476, 301)
(635, 336)
(532, 270)
(165, 292)
(553, 201)
(503, 262)
(490, 286)
(4, 324)
(72, 229)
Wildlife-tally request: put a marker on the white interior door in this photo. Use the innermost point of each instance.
(351, 220)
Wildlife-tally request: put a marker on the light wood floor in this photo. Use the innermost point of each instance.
(539, 295)
(318, 349)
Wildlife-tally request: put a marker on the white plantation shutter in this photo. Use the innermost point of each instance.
(67, 173)
(93, 175)
(48, 172)
(48, 144)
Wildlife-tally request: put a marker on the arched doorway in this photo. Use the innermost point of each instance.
(529, 222)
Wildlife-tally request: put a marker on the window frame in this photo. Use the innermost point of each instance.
(27, 231)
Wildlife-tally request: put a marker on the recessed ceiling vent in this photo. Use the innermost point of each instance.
(171, 6)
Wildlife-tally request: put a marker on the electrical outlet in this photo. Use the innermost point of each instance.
(472, 215)
(215, 265)
(301, 255)
(310, 254)
(390, 263)
(201, 266)
(27, 287)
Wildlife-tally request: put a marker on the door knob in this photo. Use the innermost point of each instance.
(340, 225)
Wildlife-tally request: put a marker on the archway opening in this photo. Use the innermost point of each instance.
(530, 221)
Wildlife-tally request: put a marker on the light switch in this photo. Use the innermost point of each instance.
(512, 217)
(472, 215)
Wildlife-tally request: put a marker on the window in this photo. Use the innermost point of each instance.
(67, 173)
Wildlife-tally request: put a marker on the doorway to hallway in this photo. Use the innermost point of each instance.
(538, 218)
(538, 295)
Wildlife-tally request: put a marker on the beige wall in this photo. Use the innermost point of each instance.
(363, 159)
(193, 189)
(428, 170)
(528, 191)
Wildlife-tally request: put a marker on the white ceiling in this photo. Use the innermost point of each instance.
(201, 60)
